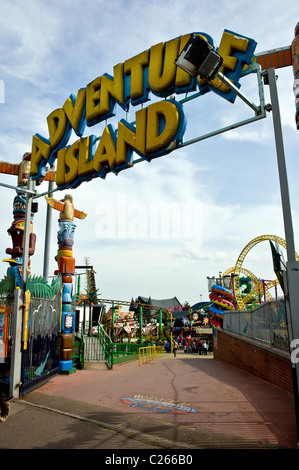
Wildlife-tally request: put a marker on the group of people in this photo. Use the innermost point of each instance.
(191, 345)
(196, 346)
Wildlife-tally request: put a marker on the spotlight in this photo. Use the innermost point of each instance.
(199, 58)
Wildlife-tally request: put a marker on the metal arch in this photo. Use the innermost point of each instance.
(238, 267)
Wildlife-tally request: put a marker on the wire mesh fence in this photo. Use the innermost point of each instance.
(267, 324)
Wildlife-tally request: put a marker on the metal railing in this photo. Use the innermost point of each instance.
(99, 347)
(149, 353)
(78, 353)
(267, 324)
(106, 345)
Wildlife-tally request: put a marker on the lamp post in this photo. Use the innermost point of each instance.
(199, 58)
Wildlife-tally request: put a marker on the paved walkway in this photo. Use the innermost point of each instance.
(183, 402)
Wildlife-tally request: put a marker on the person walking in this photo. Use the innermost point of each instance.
(205, 347)
(174, 348)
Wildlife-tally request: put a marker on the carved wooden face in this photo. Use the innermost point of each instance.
(24, 171)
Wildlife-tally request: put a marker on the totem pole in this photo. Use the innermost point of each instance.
(295, 58)
(66, 268)
(16, 231)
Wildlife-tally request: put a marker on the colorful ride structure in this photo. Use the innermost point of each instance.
(222, 299)
(260, 288)
(245, 293)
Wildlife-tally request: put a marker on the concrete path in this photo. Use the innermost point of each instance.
(183, 402)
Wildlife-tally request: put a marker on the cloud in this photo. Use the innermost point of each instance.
(212, 197)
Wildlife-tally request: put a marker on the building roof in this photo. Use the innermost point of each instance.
(162, 303)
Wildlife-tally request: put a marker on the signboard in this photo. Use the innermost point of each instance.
(157, 129)
(4, 318)
(204, 331)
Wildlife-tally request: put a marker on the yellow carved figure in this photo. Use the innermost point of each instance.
(66, 208)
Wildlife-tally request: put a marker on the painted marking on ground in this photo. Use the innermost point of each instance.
(157, 406)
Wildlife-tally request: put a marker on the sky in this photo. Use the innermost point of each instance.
(213, 197)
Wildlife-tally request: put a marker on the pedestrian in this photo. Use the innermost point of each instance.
(185, 347)
(205, 347)
(200, 347)
(174, 348)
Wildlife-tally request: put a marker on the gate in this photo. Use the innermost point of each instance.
(40, 344)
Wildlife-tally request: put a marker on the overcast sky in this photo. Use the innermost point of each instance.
(213, 196)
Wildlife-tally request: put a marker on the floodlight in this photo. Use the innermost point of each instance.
(199, 58)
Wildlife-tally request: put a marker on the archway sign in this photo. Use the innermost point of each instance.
(158, 128)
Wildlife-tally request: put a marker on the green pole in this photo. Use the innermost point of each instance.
(84, 315)
(112, 323)
(160, 323)
(140, 322)
(79, 286)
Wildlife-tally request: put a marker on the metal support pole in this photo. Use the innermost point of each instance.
(48, 234)
(16, 360)
(292, 268)
(112, 323)
(16, 188)
(233, 87)
(16, 353)
(160, 323)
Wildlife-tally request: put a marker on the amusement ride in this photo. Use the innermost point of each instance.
(233, 292)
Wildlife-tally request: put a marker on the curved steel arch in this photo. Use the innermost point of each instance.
(239, 268)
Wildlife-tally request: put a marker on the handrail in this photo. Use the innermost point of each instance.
(149, 352)
(106, 344)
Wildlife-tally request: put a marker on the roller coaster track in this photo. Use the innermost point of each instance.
(260, 288)
(236, 271)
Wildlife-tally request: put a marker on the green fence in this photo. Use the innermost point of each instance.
(115, 353)
(78, 353)
(122, 352)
